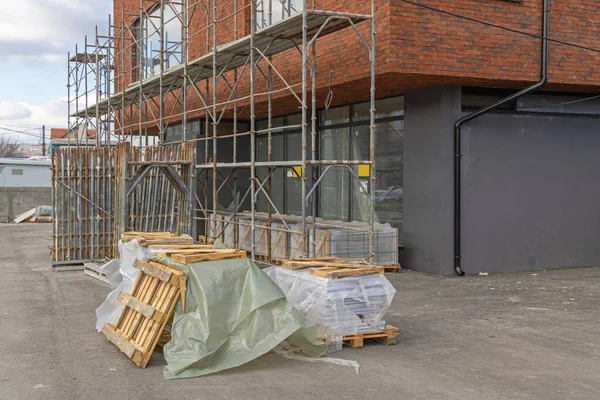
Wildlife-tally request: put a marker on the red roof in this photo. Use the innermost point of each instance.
(59, 133)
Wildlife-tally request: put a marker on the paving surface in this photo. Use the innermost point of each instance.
(531, 335)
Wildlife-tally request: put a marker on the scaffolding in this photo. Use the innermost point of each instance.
(147, 80)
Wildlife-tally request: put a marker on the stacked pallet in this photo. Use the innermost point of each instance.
(181, 248)
(147, 239)
(345, 299)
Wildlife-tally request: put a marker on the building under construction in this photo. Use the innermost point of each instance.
(393, 130)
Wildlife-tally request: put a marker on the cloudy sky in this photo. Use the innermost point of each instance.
(35, 36)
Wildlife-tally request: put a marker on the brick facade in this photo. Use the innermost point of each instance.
(415, 48)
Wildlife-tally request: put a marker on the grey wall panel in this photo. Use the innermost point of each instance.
(531, 192)
(429, 117)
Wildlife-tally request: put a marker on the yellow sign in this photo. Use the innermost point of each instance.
(364, 170)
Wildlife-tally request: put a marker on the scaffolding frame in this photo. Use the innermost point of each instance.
(216, 79)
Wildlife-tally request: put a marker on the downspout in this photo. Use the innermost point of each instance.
(458, 130)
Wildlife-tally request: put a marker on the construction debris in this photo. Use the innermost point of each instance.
(39, 214)
(344, 298)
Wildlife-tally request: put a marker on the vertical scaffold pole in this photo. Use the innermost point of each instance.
(252, 133)
(372, 175)
(304, 125)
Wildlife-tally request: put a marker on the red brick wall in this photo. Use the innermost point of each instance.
(415, 48)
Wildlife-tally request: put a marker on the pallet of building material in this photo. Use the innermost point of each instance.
(386, 336)
(221, 254)
(323, 243)
(148, 307)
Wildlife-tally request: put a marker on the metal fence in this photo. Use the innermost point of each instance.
(98, 193)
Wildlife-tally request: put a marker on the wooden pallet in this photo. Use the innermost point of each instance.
(139, 327)
(392, 268)
(147, 239)
(386, 336)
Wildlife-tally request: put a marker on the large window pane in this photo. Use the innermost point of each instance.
(150, 44)
(263, 124)
(389, 151)
(384, 108)
(335, 116)
(334, 188)
(277, 178)
(293, 183)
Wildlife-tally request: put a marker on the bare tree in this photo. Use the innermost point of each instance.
(8, 147)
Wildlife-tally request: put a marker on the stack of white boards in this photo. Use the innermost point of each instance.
(337, 307)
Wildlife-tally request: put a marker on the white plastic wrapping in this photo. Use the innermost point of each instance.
(111, 270)
(337, 307)
(110, 309)
(286, 350)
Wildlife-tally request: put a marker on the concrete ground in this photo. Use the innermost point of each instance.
(531, 335)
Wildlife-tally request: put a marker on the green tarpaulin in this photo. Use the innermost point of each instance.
(233, 314)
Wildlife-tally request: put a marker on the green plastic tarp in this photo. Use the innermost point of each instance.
(233, 314)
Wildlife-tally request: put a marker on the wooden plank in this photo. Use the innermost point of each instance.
(168, 253)
(145, 309)
(126, 346)
(133, 233)
(182, 246)
(166, 241)
(192, 258)
(328, 259)
(318, 264)
(334, 273)
(150, 269)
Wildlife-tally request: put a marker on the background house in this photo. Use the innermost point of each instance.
(24, 184)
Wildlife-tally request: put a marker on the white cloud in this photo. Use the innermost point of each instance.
(24, 116)
(11, 111)
(44, 30)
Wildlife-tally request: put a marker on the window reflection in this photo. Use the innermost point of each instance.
(149, 47)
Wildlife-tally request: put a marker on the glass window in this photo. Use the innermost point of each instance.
(389, 190)
(277, 178)
(384, 108)
(334, 189)
(334, 116)
(263, 124)
(17, 171)
(150, 48)
(269, 12)
(294, 119)
(293, 183)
